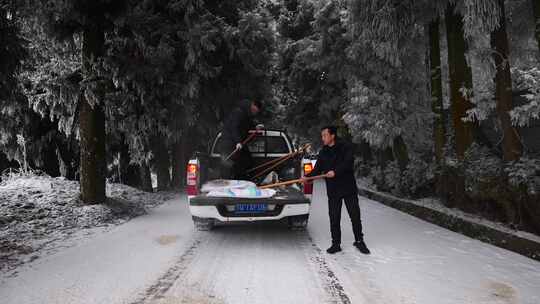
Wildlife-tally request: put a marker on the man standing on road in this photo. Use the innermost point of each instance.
(336, 161)
(235, 129)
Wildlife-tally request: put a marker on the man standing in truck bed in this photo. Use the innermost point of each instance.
(336, 161)
(235, 129)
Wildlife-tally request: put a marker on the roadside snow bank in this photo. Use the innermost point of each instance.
(433, 211)
(38, 212)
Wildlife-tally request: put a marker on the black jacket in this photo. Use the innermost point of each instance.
(340, 159)
(237, 124)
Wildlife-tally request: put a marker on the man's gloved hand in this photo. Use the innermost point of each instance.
(238, 146)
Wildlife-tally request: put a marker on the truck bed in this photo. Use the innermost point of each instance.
(286, 195)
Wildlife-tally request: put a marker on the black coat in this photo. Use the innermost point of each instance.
(237, 124)
(340, 159)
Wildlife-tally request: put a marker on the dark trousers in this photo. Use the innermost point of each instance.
(334, 210)
(238, 164)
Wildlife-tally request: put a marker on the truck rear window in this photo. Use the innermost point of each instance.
(268, 144)
(263, 144)
(275, 144)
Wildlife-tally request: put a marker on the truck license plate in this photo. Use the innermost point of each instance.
(250, 208)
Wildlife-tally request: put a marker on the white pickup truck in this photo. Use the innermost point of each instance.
(291, 203)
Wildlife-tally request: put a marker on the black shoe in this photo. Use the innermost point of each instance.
(333, 249)
(362, 247)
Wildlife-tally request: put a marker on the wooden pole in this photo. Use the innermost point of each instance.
(270, 162)
(300, 151)
(294, 181)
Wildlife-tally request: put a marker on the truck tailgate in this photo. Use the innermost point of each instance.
(284, 196)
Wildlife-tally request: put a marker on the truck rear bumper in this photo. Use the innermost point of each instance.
(212, 212)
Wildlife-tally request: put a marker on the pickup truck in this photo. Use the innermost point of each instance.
(291, 203)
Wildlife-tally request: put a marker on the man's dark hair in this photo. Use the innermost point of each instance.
(331, 129)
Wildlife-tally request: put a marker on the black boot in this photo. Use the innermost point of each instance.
(334, 248)
(361, 246)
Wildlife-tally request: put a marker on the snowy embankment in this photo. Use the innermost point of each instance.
(432, 210)
(41, 214)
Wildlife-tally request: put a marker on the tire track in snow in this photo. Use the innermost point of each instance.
(332, 289)
(332, 285)
(167, 280)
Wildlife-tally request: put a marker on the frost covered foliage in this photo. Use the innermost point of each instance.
(480, 17)
(186, 58)
(17, 117)
(482, 95)
(13, 108)
(527, 81)
(480, 165)
(38, 212)
(312, 65)
(525, 173)
(415, 181)
(51, 76)
(505, 192)
(418, 178)
(374, 117)
(387, 94)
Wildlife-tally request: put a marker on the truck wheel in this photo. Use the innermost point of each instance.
(203, 224)
(298, 222)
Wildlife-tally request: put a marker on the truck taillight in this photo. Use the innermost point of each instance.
(308, 187)
(192, 172)
(308, 168)
(192, 169)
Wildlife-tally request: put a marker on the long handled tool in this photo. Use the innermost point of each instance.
(294, 181)
(273, 161)
(269, 162)
(248, 139)
(284, 159)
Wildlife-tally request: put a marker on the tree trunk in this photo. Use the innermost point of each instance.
(92, 128)
(511, 144)
(399, 149)
(460, 77)
(439, 131)
(123, 163)
(51, 165)
(365, 151)
(383, 158)
(5, 163)
(146, 179)
(536, 11)
(179, 163)
(162, 163)
(129, 173)
(68, 158)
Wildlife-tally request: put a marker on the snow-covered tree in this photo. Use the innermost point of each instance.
(536, 11)
(313, 64)
(87, 22)
(12, 106)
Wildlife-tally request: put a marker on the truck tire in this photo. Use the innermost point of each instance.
(298, 223)
(203, 224)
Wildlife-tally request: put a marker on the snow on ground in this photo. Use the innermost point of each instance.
(38, 212)
(416, 262)
(159, 258)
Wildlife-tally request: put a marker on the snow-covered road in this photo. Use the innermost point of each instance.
(159, 258)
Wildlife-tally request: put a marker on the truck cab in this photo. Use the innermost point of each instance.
(291, 203)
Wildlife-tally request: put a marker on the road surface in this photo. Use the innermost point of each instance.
(159, 258)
